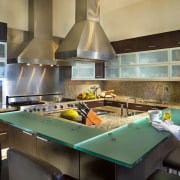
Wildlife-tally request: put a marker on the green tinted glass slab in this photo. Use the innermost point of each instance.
(126, 145)
(67, 133)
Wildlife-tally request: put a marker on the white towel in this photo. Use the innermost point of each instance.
(174, 129)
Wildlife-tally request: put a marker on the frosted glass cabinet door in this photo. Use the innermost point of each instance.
(175, 55)
(114, 62)
(128, 72)
(153, 57)
(175, 71)
(153, 72)
(83, 72)
(112, 72)
(2, 69)
(2, 50)
(128, 59)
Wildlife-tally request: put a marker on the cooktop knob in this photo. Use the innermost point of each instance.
(38, 109)
(55, 107)
(44, 109)
(69, 105)
(61, 106)
(34, 109)
(30, 110)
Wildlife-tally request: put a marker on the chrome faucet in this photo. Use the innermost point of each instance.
(127, 104)
(95, 90)
(163, 93)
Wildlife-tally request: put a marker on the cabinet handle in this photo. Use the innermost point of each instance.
(155, 108)
(178, 42)
(127, 49)
(138, 106)
(4, 133)
(100, 102)
(109, 102)
(25, 132)
(151, 46)
(43, 139)
(98, 76)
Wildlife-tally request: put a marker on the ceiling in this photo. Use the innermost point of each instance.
(107, 5)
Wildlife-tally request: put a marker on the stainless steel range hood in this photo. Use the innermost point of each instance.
(40, 47)
(86, 41)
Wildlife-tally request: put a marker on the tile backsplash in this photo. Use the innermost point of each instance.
(146, 90)
(73, 88)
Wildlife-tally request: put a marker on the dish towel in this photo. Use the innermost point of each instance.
(174, 129)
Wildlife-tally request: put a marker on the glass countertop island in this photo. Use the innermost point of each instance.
(126, 145)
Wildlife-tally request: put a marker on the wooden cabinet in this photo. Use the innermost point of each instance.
(174, 39)
(4, 135)
(92, 104)
(125, 46)
(3, 32)
(99, 70)
(140, 107)
(150, 42)
(22, 140)
(64, 158)
(157, 41)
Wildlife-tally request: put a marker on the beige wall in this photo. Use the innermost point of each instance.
(143, 18)
(120, 19)
(15, 13)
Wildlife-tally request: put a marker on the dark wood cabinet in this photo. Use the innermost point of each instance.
(99, 70)
(151, 42)
(156, 41)
(129, 45)
(174, 39)
(4, 135)
(92, 104)
(125, 46)
(3, 32)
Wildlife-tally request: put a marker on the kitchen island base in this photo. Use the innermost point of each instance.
(85, 166)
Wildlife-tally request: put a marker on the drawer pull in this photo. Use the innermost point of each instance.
(127, 49)
(25, 132)
(138, 106)
(98, 76)
(100, 102)
(155, 108)
(109, 102)
(151, 46)
(4, 133)
(178, 42)
(43, 139)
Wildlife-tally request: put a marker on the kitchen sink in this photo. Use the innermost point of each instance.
(100, 112)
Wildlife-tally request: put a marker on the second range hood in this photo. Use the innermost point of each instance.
(39, 48)
(86, 41)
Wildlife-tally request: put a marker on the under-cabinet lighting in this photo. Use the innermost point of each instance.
(40, 65)
(28, 64)
(51, 65)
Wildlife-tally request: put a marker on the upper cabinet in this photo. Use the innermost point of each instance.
(174, 38)
(145, 43)
(99, 70)
(3, 32)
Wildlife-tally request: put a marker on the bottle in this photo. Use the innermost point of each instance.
(167, 114)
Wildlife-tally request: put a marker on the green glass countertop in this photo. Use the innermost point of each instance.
(67, 133)
(126, 145)
(129, 144)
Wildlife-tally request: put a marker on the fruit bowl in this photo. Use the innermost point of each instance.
(85, 96)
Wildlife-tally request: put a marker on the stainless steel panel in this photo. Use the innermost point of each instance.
(24, 80)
